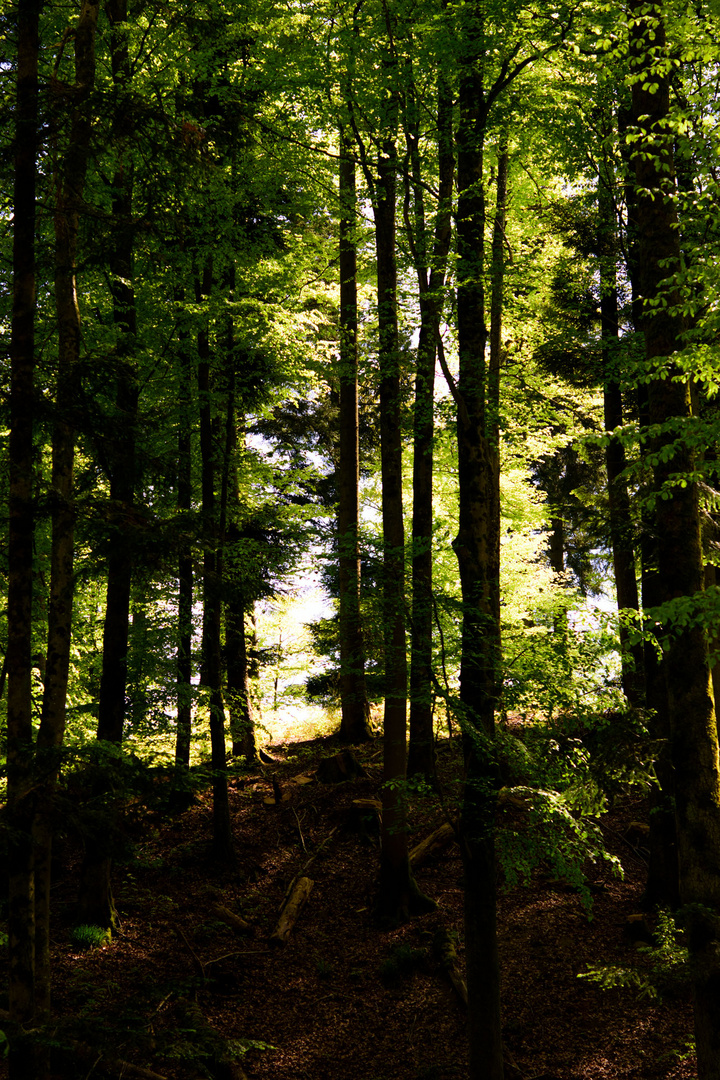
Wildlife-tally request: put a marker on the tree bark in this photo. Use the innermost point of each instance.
(396, 891)
(69, 188)
(355, 719)
(623, 549)
(694, 740)
(95, 904)
(21, 930)
(477, 547)
(185, 562)
(211, 673)
(431, 282)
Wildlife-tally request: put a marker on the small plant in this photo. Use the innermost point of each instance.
(402, 962)
(90, 937)
(323, 967)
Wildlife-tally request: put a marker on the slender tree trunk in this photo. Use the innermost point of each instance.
(122, 442)
(477, 548)
(240, 705)
(693, 727)
(69, 184)
(355, 719)
(96, 905)
(398, 895)
(395, 880)
(211, 669)
(242, 721)
(21, 929)
(620, 517)
(431, 281)
(242, 724)
(185, 563)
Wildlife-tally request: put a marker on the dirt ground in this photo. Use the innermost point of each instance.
(177, 989)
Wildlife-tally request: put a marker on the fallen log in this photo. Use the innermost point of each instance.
(235, 922)
(446, 953)
(432, 845)
(291, 909)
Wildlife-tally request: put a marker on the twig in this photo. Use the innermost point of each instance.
(302, 838)
(196, 959)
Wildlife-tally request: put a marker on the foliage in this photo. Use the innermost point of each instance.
(663, 968)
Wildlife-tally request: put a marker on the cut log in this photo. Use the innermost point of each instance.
(236, 922)
(446, 953)
(291, 909)
(432, 845)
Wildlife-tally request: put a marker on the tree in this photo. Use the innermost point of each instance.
(679, 548)
(355, 721)
(69, 188)
(21, 989)
(430, 267)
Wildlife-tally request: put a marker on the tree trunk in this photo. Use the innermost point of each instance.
(431, 281)
(21, 930)
(69, 187)
(355, 719)
(620, 518)
(398, 895)
(694, 739)
(210, 673)
(477, 548)
(662, 886)
(95, 905)
(185, 562)
(242, 722)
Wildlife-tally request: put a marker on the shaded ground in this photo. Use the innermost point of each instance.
(343, 1001)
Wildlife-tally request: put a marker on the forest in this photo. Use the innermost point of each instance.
(358, 376)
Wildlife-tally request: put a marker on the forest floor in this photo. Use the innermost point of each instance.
(177, 988)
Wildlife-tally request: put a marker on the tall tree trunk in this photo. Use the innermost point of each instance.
(662, 886)
(185, 562)
(21, 929)
(623, 549)
(431, 282)
(211, 668)
(477, 548)
(69, 188)
(395, 897)
(355, 718)
(693, 727)
(96, 905)
(242, 723)
(240, 704)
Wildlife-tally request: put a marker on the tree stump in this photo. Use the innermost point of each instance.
(339, 767)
